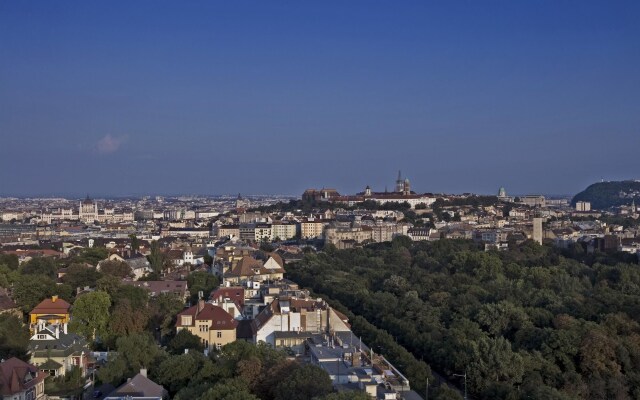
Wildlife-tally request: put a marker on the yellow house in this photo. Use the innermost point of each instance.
(49, 311)
(213, 325)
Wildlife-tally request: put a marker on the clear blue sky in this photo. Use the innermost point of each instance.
(135, 97)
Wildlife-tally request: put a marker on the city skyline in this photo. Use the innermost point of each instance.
(209, 98)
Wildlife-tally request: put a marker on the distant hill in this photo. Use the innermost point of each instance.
(603, 195)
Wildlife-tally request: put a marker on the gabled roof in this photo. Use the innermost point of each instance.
(16, 376)
(220, 319)
(52, 305)
(235, 293)
(246, 266)
(66, 343)
(277, 258)
(245, 330)
(139, 386)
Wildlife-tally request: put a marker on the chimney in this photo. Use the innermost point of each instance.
(143, 372)
(200, 304)
(356, 361)
(64, 328)
(57, 331)
(54, 298)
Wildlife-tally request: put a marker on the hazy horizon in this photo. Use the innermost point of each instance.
(277, 97)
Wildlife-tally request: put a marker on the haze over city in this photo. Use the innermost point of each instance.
(328, 200)
(275, 97)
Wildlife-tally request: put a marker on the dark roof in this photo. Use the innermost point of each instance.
(245, 329)
(49, 365)
(6, 303)
(139, 386)
(66, 344)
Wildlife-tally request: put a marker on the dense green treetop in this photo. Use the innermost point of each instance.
(531, 321)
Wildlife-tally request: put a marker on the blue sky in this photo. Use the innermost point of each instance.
(126, 98)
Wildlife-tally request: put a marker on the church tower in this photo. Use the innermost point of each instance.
(406, 187)
(399, 183)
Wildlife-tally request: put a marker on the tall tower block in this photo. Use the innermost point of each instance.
(537, 230)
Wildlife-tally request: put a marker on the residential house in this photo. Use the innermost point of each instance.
(312, 229)
(284, 230)
(139, 388)
(213, 325)
(290, 314)
(49, 311)
(155, 288)
(419, 233)
(138, 263)
(233, 293)
(247, 232)
(55, 350)
(263, 232)
(21, 381)
(231, 231)
(251, 269)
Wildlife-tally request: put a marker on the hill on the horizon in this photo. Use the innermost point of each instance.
(603, 195)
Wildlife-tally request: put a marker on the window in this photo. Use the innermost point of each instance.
(186, 320)
(42, 337)
(218, 334)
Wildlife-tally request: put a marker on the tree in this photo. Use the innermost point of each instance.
(136, 296)
(135, 242)
(126, 320)
(157, 258)
(109, 284)
(29, 290)
(79, 275)
(495, 362)
(185, 340)
(10, 260)
(444, 392)
(92, 255)
(14, 338)
(40, 266)
(229, 389)
(304, 383)
(175, 372)
(201, 281)
(116, 268)
(208, 259)
(8, 276)
(134, 352)
(163, 311)
(91, 314)
(266, 246)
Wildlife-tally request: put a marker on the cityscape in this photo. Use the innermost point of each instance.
(319, 201)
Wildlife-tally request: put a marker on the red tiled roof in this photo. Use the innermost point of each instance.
(220, 319)
(49, 306)
(235, 293)
(12, 376)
